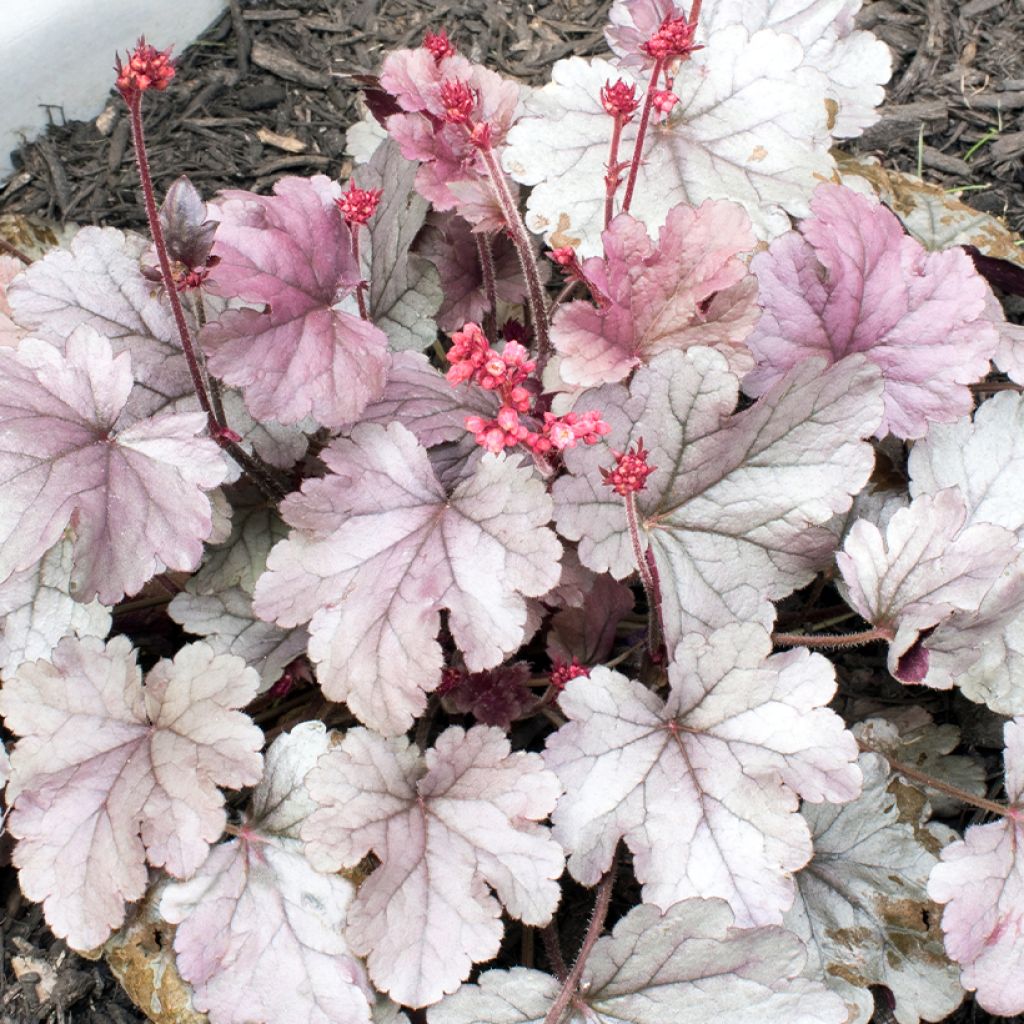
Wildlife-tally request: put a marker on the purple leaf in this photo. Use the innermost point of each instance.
(855, 283)
(691, 288)
(300, 356)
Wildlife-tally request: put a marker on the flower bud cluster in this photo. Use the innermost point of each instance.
(147, 68)
(439, 45)
(619, 99)
(674, 38)
(630, 472)
(562, 672)
(358, 205)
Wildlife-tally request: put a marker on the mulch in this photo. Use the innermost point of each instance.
(270, 90)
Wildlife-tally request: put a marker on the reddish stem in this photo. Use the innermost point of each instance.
(486, 256)
(360, 297)
(641, 134)
(13, 250)
(902, 768)
(650, 584)
(832, 639)
(524, 251)
(613, 177)
(597, 918)
(265, 478)
(153, 216)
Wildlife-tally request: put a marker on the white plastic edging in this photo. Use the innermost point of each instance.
(61, 52)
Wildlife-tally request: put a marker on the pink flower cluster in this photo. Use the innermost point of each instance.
(147, 68)
(505, 372)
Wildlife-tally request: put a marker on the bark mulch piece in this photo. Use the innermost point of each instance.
(268, 90)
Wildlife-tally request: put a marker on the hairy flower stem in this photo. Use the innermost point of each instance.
(641, 134)
(486, 256)
(594, 929)
(361, 287)
(524, 251)
(902, 768)
(832, 639)
(613, 176)
(155, 229)
(553, 950)
(650, 584)
(263, 476)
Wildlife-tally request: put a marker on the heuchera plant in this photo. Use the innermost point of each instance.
(489, 575)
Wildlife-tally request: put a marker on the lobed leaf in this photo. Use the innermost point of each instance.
(133, 497)
(108, 773)
(981, 881)
(691, 288)
(259, 931)
(687, 964)
(733, 513)
(445, 825)
(297, 356)
(703, 787)
(851, 281)
(378, 548)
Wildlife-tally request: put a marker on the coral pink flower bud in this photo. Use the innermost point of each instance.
(663, 101)
(630, 472)
(495, 366)
(508, 419)
(475, 424)
(458, 100)
(480, 136)
(147, 68)
(561, 435)
(674, 38)
(564, 257)
(439, 45)
(493, 440)
(619, 99)
(358, 205)
(562, 672)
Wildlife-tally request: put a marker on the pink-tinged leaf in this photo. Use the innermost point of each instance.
(421, 399)
(980, 651)
(109, 773)
(750, 126)
(587, 632)
(378, 549)
(925, 568)
(134, 498)
(260, 932)
(981, 881)
(851, 282)
(37, 610)
(291, 253)
(447, 156)
(704, 787)
(446, 826)
(496, 696)
(733, 512)
(227, 622)
(688, 964)
(10, 332)
(691, 288)
(1009, 353)
(97, 282)
(862, 908)
(405, 290)
(449, 243)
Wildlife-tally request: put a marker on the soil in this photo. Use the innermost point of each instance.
(270, 90)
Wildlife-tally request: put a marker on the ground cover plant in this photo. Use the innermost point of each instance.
(523, 544)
